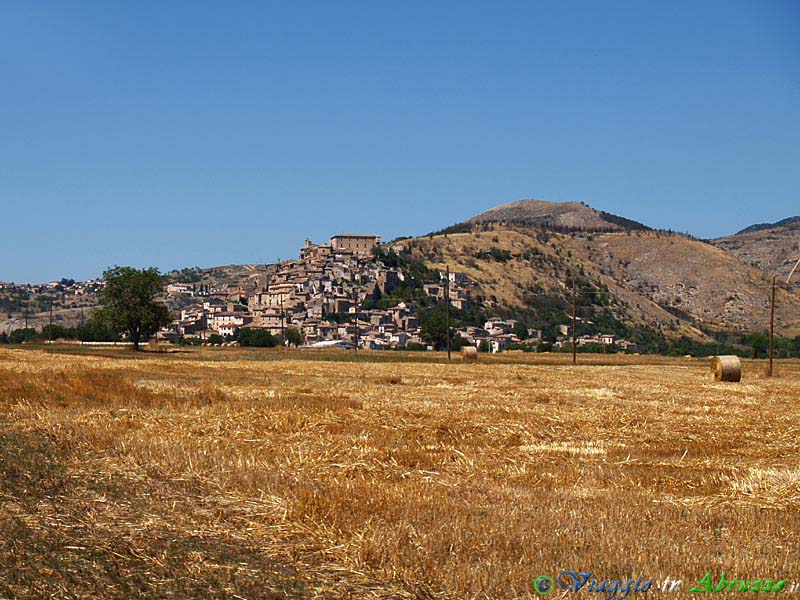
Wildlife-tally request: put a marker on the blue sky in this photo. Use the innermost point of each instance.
(196, 133)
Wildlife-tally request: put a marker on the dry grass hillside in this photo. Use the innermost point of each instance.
(548, 214)
(774, 250)
(695, 277)
(225, 473)
(66, 317)
(665, 281)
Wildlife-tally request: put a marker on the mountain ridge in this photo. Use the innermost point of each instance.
(761, 226)
(563, 216)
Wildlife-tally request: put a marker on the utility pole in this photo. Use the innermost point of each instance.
(447, 307)
(80, 335)
(771, 326)
(280, 298)
(51, 319)
(574, 346)
(355, 299)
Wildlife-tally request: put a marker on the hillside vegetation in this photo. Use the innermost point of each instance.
(665, 282)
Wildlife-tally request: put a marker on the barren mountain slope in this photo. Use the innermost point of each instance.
(557, 215)
(774, 250)
(539, 263)
(689, 275)
(666, 281)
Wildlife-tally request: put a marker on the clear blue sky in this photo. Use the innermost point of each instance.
(196, 133)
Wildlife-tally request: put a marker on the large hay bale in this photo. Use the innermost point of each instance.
(469, 353)
(726, 368)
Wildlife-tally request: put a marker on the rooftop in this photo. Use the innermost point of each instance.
(355, 235)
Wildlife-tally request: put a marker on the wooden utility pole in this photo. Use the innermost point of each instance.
(771, 326)
(280, 299)
(574, 346)
(51, 320)
(355, 299)
(447, 308)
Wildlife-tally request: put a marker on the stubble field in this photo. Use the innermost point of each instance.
(231, 473)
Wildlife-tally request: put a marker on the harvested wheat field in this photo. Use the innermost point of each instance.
(226, 473)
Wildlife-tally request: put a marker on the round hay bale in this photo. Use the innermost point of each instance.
(726, 368)
(469, 353)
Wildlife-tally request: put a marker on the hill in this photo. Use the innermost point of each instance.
(522, 255)
(760, 226)
(556, 216)
(772, 249)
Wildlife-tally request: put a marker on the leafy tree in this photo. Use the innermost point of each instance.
(98, 329)
(500, 255)
(216, 338)
(18, 336)
(388, 258)
(415, 347)
(520, 330)
(433, 329)
(129, 302)
(759, 342)
(3, 338)
(256, 338)
(783, 347)
(292, 336)
(484, 346)
(54, 332)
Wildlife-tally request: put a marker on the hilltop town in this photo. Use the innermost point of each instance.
(317, 295)
(322, 296)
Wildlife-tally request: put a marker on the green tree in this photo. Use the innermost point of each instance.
(433, 329)
(129, 302)
(98, 329)
(520, 330)
(54, 332)
(759, 342)
(292, 336)
(255, 337)
(18, 336)
(783, 347)
(415, 347)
